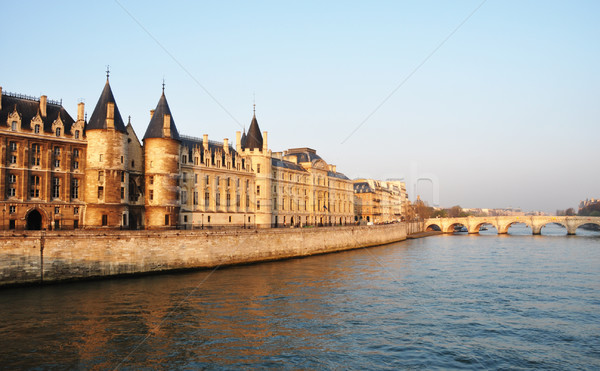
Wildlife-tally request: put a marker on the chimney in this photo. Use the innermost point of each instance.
(151, 114)
(226, 145)
(205, 142)
(80, 111)
(265, 148)
(110, 115)
(238, 141)
(167, 126)
(43, 101)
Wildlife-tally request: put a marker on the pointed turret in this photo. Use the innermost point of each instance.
(106, 115)
(162, 124)
(254, 139)
(243, 141)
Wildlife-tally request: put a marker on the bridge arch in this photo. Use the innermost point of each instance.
(504, 228)
(451, 226)
(477, 227)
(433, 227)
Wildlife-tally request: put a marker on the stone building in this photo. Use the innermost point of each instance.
(65, 174)
(43, 163)
(379, 201)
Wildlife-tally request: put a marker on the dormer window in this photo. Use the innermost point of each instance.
(76, 134)
(13, 126)
(36, 129)
(57, 132)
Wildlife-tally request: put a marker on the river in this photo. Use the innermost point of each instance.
(443, 302)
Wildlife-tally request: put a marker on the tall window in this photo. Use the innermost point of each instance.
(75, 188)
(57, 132)
(100, 193)
(13, 126)
(101, 176)
(257, 190)
(76, 134)
(36, 129)
(122, 193)
(76, 153)
(13, 146)
(36, 155)
(151, 195)
(206, 199)
(228, 199)
(195, 198)
(34, 187)
(56, 187)
(258, 168)
(13, 159)
(218, 197)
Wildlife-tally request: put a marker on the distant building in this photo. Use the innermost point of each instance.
(379, 201)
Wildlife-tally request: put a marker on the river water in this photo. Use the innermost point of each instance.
(441, 302)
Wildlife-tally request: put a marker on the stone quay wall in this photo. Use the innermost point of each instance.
(41, 257)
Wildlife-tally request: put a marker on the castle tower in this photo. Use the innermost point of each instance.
(106, 165)
(162, 170)
(255, 147)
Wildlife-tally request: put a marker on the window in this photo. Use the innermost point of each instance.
(166, 219)
(258, 168)
(13, 126)
(76, 165)
(35, 154)
(122, 176)
(124, 219)
(237, 200)
(56, 187)
(230, 219)
(36, 129)
(12, 192)
(185, 218)
(184, 159)
(56, 210)
(56, 163)
(76, 153)
(151, 195)
(121, 159)
(12, 178)
(132, 163)
(104, 220)
(151, 180)
(100, 158)
(195, 198)
(207, 180)
(195, 178)
(184, 176)
(184, 197)
(100, 193)
(258, 205)
(122, 193)
(76, 134)
(196, 160)
(57, 132)
(34, 187)
(101, 176)
(228, 199)
(257, 190)
(13, 146)
(13, 159)
(12, 209)
(218, 198)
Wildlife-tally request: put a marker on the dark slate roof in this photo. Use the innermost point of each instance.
(155, 128)
(191, 143)
(303, 154)
(29, 108)
(362, 187)
(286, 164)
(337, 175)
(254, 138)
(98, 118)
(243, 141)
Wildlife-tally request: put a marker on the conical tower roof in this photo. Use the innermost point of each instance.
(254, 139)
(98, 118)
(155, 128)
(243, 141)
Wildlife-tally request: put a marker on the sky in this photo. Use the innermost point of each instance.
(494, 104)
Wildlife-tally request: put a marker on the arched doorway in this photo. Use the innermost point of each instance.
(34, 220)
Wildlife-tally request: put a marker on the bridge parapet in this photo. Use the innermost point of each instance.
(502, 223)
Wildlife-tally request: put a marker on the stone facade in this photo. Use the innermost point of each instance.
(57, 256)
(379, 201)
(60, 173)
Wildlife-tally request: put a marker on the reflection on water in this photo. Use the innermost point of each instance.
(439, 302)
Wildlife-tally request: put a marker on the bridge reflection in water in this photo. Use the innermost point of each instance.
(502, 223)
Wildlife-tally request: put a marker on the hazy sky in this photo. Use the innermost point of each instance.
(504, 113)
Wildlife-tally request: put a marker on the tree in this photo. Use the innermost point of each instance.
(570, 212)
(454, 211)
(439, 213)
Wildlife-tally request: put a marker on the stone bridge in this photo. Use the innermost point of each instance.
(502, 223)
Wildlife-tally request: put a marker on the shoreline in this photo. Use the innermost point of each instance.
(40, 258)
